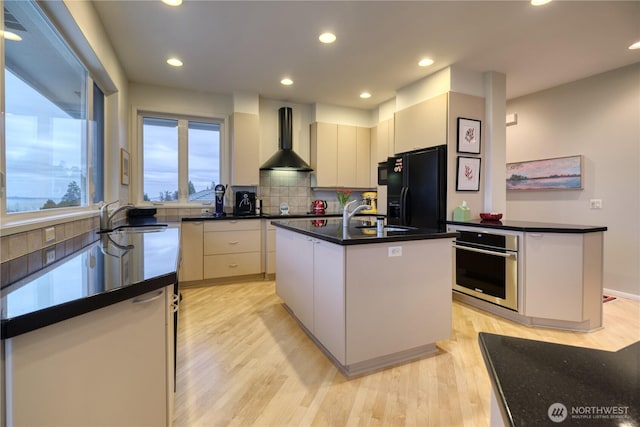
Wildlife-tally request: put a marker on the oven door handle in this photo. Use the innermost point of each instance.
(484, 251)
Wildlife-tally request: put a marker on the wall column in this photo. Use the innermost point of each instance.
(495, 140)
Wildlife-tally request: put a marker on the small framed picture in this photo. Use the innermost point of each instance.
(468, 135)
(468, 177)
(124, 167)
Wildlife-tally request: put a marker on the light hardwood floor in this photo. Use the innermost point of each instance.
(243, 361)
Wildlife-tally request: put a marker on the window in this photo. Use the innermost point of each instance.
(180, 159)
(49, 152)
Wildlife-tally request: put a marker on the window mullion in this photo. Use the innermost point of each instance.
(183, 161)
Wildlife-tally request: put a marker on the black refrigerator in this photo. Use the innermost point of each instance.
(417, 188)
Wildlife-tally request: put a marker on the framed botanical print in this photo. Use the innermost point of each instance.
(468, 177)
(469, 135)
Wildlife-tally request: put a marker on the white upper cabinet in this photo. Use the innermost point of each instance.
(422, 125)
(245, 149)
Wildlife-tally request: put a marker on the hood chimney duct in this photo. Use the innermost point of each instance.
(285, 158)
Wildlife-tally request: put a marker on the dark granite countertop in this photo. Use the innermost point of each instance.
(359, 231)
(293, 215)
(530, 226)
(113, 268)
(536, 381)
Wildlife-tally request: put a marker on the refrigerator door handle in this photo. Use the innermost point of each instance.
(404, 211)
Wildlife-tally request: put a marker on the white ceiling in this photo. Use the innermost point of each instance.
(248, 46)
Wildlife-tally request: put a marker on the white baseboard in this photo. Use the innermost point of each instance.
(621, 294)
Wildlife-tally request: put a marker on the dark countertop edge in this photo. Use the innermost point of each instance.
(538, 227)
(368, 240)
(495, 383)
(269, 216)
(38, 319)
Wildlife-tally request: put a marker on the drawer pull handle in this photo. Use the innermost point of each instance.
(234, 242)
(233, 265)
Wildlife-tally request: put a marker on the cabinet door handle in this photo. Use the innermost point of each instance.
(233, 265)
(538, 235)
(233, 242)
(141, 300)
(233, 221)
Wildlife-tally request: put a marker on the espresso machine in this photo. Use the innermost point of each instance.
(220, 190)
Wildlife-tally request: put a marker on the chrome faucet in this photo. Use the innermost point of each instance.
(346, 215)
(105, 218)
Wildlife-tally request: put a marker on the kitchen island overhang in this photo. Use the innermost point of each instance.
(368, 301)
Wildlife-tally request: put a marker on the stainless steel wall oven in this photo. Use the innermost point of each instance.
(486, 267)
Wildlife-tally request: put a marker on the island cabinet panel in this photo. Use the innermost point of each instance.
(422, 125)
(232, 248)
(328, 298)
(270, 247)
(245, 153)
(563, 277)
(397, 303)
(294, 272)
(109, 367)
(191, 246)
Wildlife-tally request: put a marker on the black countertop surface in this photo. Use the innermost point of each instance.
(294, 215)
(535, 382)
(358, 232)
(114, 268)
(530, 226)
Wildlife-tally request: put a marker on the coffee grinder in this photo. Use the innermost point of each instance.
(220, 190)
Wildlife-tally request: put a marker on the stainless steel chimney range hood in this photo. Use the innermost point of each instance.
(285, 158)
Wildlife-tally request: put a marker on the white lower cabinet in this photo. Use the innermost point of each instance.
(109, 367)
(232, 248)
(329, 297)
(294, 270)
(190, 251)
(563, 277)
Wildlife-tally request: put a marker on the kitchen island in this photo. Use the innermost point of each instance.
(369, 300)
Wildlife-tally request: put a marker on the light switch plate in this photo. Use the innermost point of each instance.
(50, 256)
(595, 203)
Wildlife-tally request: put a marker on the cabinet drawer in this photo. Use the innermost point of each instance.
(233, 224)
(231, 265)
(224, 242)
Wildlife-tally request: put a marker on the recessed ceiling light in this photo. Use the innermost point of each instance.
(8, 35)
(365, 95)
(539, 2)
(175, 62)
(425, 62)
(635, 46)
(286, 81)
(172, 2)
(327, 37)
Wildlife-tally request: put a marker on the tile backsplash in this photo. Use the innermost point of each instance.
(293, 188)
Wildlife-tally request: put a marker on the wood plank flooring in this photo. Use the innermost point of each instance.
(243, 361)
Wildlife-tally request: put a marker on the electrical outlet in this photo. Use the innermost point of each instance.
(395, 251)
(205, 211)
(49, 234)
(595, 203)
(50, 256)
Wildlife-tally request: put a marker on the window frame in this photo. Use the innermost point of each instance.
(183, 156)
(9, 219)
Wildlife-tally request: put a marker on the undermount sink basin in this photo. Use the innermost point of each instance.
(145, 228)
(387, 227)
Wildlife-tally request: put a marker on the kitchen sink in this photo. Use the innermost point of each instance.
(143, 228)
(387, 227)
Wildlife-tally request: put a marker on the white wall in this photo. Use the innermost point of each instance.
(599, 118)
